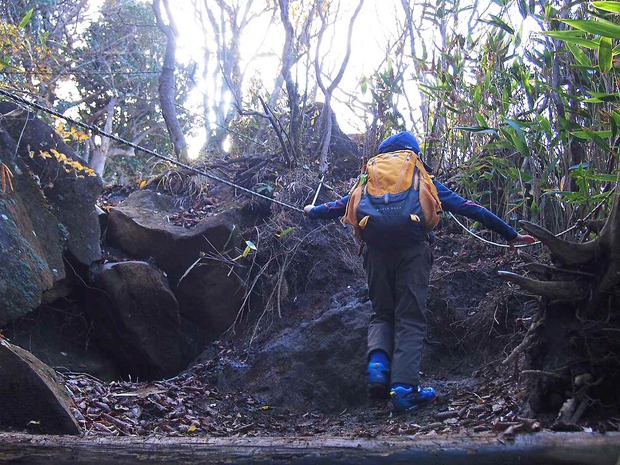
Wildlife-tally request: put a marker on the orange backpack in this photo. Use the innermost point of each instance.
(394, 202)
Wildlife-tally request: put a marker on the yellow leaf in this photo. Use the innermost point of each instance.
(191, 429)
(143, 184)
(265, 407)
(246, 252)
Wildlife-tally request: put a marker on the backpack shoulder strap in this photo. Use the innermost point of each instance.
(350, 214)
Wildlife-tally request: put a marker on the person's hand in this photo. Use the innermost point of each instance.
(525, 238)
(307, 209)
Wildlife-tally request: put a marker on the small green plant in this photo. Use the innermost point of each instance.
(264, 188)
(589, 185)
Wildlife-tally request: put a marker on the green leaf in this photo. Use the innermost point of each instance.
(6, 64)
(518, 138)
(612, 7)
(480, 129)
(517, 127)
(26, 19)
(285, 232)
(481, 120)
(605, 55)
(587, 134)
(523, 9)
(601, 97)
(600, 27)
(545, 124)
(498, 22)
(477, 95)
(580, 56)
(614, 126)
(574, 37)
(598, 137)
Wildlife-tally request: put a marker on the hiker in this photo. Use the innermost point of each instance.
(398, 264)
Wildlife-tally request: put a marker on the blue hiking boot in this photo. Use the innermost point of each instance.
(409, 398)
(378, 380)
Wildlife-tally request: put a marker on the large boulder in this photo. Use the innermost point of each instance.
(48, 216)
(211, 297)
(136, 318)
(31, 396)
(31, 254)
(141, 227)
(70, 187)
(318, 364)
(210, 293)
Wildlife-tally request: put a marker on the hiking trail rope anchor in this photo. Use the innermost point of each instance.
(96, 130)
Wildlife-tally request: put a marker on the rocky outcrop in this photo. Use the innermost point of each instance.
(345, 157)
(210, 293)
(315, 365)
(141, 227)
(70, 188)
(211, 297)
(136, 319)
(47, 217)
(31, 396)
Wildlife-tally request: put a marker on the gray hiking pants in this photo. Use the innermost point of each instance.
(398, 286)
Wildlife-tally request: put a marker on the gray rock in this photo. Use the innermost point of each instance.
(31, 396)
(49, 215)
(137, 319)
(210, 296)
(140, 227)
(70, 194)
(318, 364)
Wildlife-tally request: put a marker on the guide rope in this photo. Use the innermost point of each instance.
(103, 133)
(214, 177)
(486, 241)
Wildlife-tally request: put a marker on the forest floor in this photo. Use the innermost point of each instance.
(480, 398)
(476, 392)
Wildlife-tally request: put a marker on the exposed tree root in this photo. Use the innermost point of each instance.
(573, 348)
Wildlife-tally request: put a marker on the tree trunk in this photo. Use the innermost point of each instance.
(328, 91)
(167, 85)
(575, 346)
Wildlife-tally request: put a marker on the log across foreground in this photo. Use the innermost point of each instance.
(542, 448)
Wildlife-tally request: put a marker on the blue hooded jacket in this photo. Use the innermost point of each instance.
(450, 201)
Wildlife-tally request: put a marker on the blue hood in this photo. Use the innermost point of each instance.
(401, 141)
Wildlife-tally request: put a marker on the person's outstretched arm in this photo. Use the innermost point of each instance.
(328, 210)
(454, 203)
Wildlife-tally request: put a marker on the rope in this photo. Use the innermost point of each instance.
(486, 241)
(96, 130)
